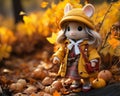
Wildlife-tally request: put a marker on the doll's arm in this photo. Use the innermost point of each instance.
(59, 55)
(94, 57)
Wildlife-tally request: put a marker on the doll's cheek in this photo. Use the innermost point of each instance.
(82, 34)
(66, 34)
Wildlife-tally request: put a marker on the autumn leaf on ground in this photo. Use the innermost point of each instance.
(52, 39)
(44, 4)
(114, 42)
(56, 93)
(33, 94)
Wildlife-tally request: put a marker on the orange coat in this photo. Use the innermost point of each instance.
(62, 54)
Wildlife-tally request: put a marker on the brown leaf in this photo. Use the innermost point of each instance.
(47, 81)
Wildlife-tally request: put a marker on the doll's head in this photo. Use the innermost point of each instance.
(76, 24)
(74, 30)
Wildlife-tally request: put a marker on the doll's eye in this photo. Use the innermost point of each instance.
(68, 28)
(79, 28)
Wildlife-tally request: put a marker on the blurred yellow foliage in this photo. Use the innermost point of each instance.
(112, 16)
(5, 51)
(7, 38)
(44, 4)
(114, 42)
(44, 23)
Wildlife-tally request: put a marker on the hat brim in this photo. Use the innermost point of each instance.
(87, 22)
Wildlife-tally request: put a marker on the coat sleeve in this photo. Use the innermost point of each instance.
(60, 53)
(93, 54)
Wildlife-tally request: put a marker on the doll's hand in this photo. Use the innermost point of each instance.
(56, 60)
(93, 62)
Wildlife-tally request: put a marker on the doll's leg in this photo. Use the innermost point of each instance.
(86, 85)
(75, 84)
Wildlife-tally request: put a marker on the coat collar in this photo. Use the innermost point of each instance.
(83, 43)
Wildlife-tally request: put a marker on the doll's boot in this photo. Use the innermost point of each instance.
(75, 87)
(75, 84)
(86, 87)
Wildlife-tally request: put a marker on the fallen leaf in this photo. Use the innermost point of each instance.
(56, 93)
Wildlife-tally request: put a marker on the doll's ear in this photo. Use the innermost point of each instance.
(67, 8)
(88, 9)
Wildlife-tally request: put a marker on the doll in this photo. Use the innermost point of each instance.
(77, 35)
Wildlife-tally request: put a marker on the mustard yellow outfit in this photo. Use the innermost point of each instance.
(63, 52)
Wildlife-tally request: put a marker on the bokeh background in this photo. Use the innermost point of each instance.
(28, 31)
(25, 24)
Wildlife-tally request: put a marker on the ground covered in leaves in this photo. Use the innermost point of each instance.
(35, 75)
(31, 70)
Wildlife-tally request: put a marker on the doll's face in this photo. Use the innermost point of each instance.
(75, 31)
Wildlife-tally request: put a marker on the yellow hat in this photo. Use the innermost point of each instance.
(78, 15)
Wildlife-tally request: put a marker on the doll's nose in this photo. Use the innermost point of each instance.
(72, 33)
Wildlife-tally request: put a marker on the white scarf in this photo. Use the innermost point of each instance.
(76, 48)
